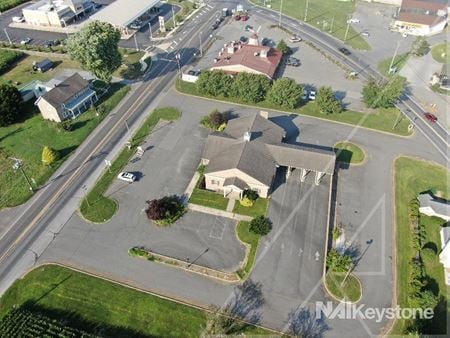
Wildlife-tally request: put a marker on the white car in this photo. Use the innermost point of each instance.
(18, 19)
(295, 38)
(25, 41)
(126, 176)
(353, 20)
(405, 35)
(312, 95)
(365, 34)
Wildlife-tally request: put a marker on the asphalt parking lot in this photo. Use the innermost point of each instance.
(315, 70)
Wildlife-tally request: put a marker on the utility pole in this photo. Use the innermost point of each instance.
(135, 41)
(348, 27)
(306, 10)
(173, 17)
(279, 19)
(18, 165)
(332, 23)
(150, 29)
(395, 55)
(201, 47)
(7, 36)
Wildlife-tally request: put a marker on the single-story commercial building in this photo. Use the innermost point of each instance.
(432, 206)
(56, 13)
(67, 99)
(122, 13)
(236, 57)
(422, 17)
(248, 152)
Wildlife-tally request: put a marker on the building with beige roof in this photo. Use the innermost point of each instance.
(248, 152)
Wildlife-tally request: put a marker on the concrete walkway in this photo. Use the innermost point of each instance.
(190, 188)
(218, 212)
(230, 205)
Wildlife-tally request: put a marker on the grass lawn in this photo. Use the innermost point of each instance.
(441, 52)
(26, 139)
(7, 4)
(411, 178)
(131, 67)
(93, 304)
(246, 236)
(21, 72)
(97, 207)
(350, 290)
(382, 119)
(327, 15)
(209, 199)
(349, 153)
(257, 209)
(399, 61)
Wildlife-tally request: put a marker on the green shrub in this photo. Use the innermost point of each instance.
(166, 210)
(260, 225)
(338, 262)
(251, 194)
(246, 202)
(7, 58)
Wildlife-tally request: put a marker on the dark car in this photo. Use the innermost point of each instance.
(215, 25)
(293, 62)
(267, 42)
(430, 117)
(51, 43)
(243, 39)
(237, 17)
(344, 51)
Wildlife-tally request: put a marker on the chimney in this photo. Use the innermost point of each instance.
(263, 53)
(247, 136)
(230, 49)
(264, 114)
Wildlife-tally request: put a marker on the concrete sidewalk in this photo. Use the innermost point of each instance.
(217, 212)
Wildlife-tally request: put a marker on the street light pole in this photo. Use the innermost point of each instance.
(346, 31)
(201, 47)
(18, 165)
(173, 17)
(306, 10)
(151, 33)
(279, 19)
(135, 41)
(7, 36)
(395, 55)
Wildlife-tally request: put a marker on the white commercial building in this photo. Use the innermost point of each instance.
(55, 13)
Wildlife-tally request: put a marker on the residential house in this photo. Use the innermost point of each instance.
(67, 99)
(433, 206)
(248, 152)
(444, 256)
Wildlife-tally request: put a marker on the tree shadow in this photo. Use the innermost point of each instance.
(66, 151)
(431, 246)
(303, 323)
(79, 124)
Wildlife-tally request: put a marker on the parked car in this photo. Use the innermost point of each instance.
(405, 35)
(353, 20)
(305, 95)
(97, 6)
(18, 19)
(312, 95)
(267, 42)
(365, 34)
(215, 25)
(244, 18)
(344, 51)
(243, 39)
(50, 43)
(248, 28)
(237, 17)
(25, 41)
(292, 61)
(430, 117)
(126, 176)
(295, 38)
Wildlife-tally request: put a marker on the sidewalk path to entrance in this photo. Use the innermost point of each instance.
(230, 205)
(217, 212)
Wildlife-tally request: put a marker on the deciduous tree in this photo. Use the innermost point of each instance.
(327, 102)
(214, 83)
(383, 94)
(10, 101)
(285, 92)
(420, 46)
(283, 47)
(250, 87)
(95, 46)
(49, 155)
(338, 262)
(260, 225)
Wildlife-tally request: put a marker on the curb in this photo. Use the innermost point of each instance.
(365, 159)
(340, 300)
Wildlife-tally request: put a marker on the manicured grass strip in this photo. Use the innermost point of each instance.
(90, 303)
(8, 4)
(98, 208)
(382, 119)
(258, 208)
(26, 139)
(349, 153)
(349, 291)
(246, 236)
(209, 199)
(325, 15)
(441, 52)
(399, 62)
(411, 178)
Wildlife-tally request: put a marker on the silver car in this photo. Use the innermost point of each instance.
(126, 176)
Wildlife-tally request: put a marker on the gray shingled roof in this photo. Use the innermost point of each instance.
(236, 181)
(65, 90)
(439, 206)
(260, 156)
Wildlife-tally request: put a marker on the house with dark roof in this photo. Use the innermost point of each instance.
(434, 206)
(236, 57)
(248, 152)
(422, 17)
(67, 99)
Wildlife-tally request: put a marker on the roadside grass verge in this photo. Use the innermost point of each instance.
(89, 303)
(441, 52)
(98, 208)
(349, 291)
(8, 4)
(381, 120)
(252, 239)
(209, 199)
(411, 178)
(325, 15)
(26, 139)
(399, 62)
(258, 208)
(349, 153)
(131, 66)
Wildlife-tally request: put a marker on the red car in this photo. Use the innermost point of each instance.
(430, 117)
(237, 17)
(244, 18)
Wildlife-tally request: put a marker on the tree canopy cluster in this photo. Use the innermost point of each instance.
(338, 262)
(10, 101)
(166, 210)
(96, 47)
(327, 101)
(250, 88)
(260, 225)
(381, 94)
(420, 46)
(215, 120)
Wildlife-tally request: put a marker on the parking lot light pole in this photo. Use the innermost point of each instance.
(7, 36)
(173, 17)
(18, 165)
(279, 18)
(201, 48)
(348, 27)
(306, 10)
(151, 33)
